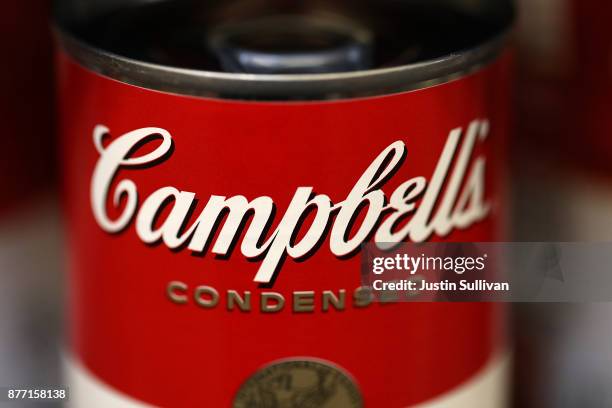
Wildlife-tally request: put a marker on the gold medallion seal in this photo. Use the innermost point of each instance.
(299, 384)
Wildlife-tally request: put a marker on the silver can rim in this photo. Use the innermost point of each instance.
(292, 87)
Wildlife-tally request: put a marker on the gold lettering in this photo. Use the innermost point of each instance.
(330, 298)
(244, 303)
(173, 288)
(277, 304)
(212, 293)
(303, 302)
(363, 296)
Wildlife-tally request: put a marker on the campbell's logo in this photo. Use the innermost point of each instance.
(452, 198)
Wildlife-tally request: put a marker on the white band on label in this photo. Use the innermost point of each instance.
(87, 391)
(487, 389)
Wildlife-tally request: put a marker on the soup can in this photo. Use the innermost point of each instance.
(225, 162)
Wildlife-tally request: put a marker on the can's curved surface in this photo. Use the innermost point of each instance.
(214, 242)
(399, 71)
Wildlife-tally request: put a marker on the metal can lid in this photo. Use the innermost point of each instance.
(356, 60)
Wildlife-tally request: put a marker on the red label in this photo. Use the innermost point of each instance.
(210, 239)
